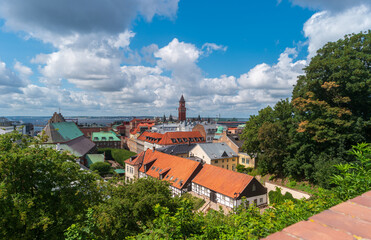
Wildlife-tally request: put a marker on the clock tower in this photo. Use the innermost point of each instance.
(182, 109)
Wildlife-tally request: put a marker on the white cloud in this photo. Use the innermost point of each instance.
(330, 5)
(208, 48)
(22, 70)
(52, 21)
(9, 81)
(180, 58)
(282, 75)
(326, 26)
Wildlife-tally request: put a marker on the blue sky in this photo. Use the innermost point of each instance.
(125, 57)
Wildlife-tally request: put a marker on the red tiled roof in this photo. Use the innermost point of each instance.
(222, 180)
(172, 138)
(175, 169)
(348, 220)
(137, 129)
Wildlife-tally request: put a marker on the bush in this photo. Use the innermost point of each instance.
(103, 168)
(196, 202)
(277, 197)
(119, 155)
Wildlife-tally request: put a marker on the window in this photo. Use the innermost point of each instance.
(253, 187)
(233, 167)
(223, 160)
(179, 140)
(222, 166)
(243, 160)
(261, 199)
(173, 140)
(227, 167)
(247, 160)
(227, 160)
(216, 161)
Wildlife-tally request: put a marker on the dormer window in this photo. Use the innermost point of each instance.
(173, 140)
(185, 139)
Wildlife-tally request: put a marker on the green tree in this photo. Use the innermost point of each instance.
(331, 104)
(42, 191)
(102, 168)
(129, 206)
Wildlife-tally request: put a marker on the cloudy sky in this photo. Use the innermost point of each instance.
(136, 57)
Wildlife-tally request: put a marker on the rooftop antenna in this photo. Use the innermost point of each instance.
(59, 109)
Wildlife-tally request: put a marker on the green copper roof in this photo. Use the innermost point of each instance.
(120, 171)
(220, 129)
(104, 136)
(68, 130)
(94, 158)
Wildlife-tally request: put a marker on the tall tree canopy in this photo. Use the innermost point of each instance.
(329, 112)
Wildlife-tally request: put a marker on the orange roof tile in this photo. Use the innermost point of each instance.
(222, 180)
(172, 138)
(175, 170)
(137, 129)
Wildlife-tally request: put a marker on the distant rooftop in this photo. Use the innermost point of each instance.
(217, 150)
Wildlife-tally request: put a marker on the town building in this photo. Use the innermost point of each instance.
(227, 188)
(180, 150)
(157, 140)
(66, 136)
(88, 131)
(106, 139)
(7, 126)
(207, 130)
(235, 143)
(218, 186)
(176, 170)
(173, 127)
(217, 154)
(94, 158)
(182, 110)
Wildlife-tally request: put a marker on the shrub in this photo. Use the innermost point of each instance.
(102, 168)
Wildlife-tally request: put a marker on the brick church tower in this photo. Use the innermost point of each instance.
(182, 109)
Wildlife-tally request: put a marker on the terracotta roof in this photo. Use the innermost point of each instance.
(136, 160)
(348, 220)
(173, 169)
(137, 129)
(222, 180)
(172, 138)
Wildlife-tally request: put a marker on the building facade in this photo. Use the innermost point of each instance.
(216, 154)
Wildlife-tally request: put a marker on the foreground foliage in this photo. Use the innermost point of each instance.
(44, 195)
